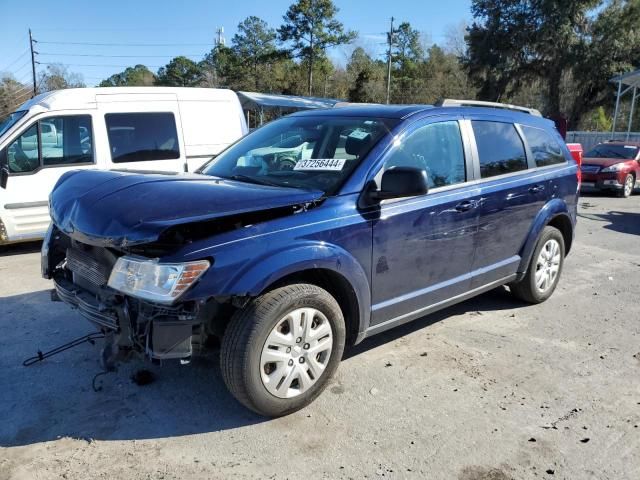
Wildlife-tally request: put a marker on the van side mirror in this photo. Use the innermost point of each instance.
(400, 182)
(4, 169)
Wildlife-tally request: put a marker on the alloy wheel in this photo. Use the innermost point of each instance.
(548, 265)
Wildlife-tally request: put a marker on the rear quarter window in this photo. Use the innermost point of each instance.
(545, 149)
(140, 137)
(500, 148)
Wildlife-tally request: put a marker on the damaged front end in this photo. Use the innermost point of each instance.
(160, 330)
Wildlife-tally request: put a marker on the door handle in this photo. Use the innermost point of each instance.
(465, 206)
(536, 189)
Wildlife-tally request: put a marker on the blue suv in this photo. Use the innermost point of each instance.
(395, 212)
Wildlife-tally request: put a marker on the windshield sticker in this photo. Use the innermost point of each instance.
(359, 134)
(321, 164)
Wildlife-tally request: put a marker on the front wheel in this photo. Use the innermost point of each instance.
(281, 349)
(543, 274)
(627, 187)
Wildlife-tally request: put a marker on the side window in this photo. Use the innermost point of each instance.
(436, 148)
(500, 148)
(140, 137)
(22, 154)
(66, 140)
(544, 147)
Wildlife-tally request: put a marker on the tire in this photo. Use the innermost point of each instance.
(248, 342)
(527, 289)
(627, 186)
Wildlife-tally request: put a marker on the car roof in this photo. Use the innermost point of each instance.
(367, 110)
(87, 97)
(620, 142)
(402, 112)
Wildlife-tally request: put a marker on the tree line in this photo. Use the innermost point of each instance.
(554, 55)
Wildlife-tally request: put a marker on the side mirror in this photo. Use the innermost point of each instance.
(400, 182)
(4, 169)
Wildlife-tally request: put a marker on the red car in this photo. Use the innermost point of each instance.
(612, 166)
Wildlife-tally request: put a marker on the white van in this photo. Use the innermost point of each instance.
(132, 128)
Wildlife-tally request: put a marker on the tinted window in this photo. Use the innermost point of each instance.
(545, 150)
(436, 148)
(499, 147)
(139, 137)
(308, 152)
(22, 154)
(607, 150)
(66, 140)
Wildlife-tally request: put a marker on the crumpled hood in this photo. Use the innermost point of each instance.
(112, 208)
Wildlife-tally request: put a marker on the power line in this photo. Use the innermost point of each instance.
(131, 44)
(15, 61)
(119, 56)
(95, 65)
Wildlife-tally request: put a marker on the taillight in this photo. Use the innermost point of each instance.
(576, 153)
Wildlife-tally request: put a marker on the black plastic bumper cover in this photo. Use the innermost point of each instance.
(86, 304)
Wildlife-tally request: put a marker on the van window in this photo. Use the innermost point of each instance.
(546, 151)
(22, 154)
(500, 148)
(436, 148)
(140, 137)
(66, 140)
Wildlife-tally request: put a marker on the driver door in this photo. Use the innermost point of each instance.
(423, 247)
(36, 158)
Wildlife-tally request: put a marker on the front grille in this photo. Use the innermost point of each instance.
(590, 168)
(84, 265)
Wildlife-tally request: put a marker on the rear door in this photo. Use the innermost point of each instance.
(423, 246)
(512, 192)
(143, 131)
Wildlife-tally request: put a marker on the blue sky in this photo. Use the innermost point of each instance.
(176, 24)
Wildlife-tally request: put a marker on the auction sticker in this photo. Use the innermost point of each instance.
(322, 164)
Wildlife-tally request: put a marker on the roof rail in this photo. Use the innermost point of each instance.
(450, 102)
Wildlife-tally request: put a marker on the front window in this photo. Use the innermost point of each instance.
(317, 153)
(60, 141)
(436, 148)
(10, 120)
(608, 150)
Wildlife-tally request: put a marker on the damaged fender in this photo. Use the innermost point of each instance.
(263, 272)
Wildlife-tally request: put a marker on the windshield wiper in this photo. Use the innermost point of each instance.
(257, 181)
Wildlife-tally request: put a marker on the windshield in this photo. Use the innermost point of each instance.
(607, 150)
(10, 120)
(316, 153)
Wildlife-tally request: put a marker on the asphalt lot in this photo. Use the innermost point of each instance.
(489, 389)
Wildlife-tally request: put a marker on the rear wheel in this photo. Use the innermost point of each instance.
(627, 187)
(280, 350)
(544, 270)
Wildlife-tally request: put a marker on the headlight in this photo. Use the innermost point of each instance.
(151, 280)
(616, 167)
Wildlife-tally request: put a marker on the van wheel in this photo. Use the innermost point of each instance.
(279, 351)
(544, 270)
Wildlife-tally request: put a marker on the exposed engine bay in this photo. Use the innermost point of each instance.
(160, 332)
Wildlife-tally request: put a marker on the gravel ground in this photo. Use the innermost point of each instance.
(489, 389)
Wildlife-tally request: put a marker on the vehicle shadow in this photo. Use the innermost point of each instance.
(55, 398)
(492, 301)
(20, 248)
(622, 222)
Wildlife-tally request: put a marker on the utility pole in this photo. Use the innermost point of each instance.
(390, 40)
(33, 62)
